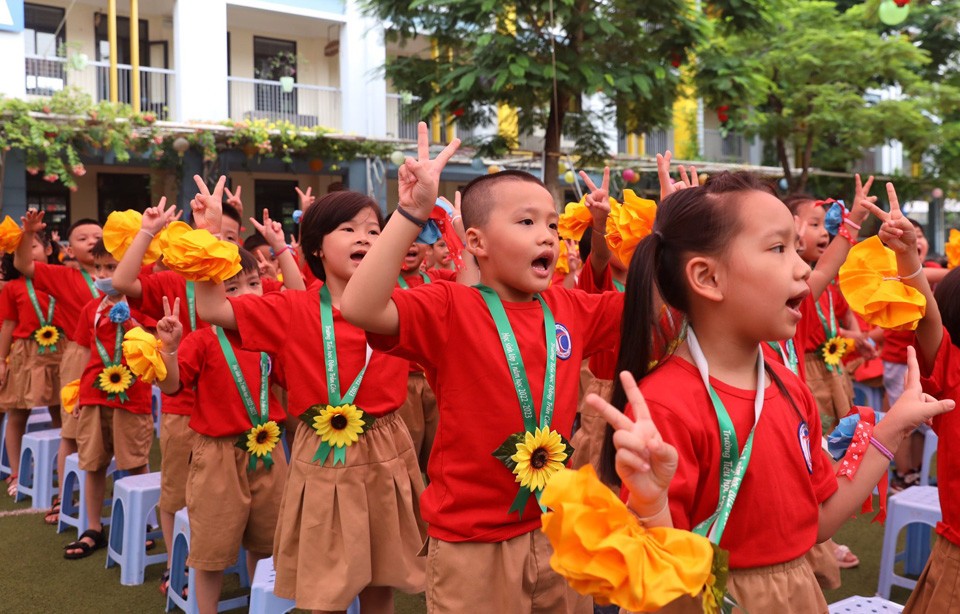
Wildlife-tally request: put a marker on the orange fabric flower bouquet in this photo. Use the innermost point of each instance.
(869, 282)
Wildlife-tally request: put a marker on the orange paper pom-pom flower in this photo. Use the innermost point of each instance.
(628, 223)
(199, 256)
(69, 395)
(10, 235)
(119, 231)
(953, 248)
(563, 260)
(868, 280)
(603, 551)
(575, 220)
(141, 351)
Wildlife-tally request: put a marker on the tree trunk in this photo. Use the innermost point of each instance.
(805, 164)
(785, 162)
(551, 148)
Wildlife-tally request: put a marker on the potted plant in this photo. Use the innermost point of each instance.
(283, 67)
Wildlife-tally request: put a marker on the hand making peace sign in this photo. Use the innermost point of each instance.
(169, 329)
(419, 180)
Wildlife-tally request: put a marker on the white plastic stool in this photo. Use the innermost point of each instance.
(134, 500)
(74, 480)
(39, 420)
(38, 464)
(864, 604)
(262, 599)
(930, 440)
(917, 504)
(179, 570)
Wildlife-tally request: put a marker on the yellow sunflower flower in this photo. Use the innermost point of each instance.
(540, 455)
(834, 349)
(115, 379)
(262, 439)
(46, 336)
(339, 426)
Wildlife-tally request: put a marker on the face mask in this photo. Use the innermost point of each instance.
(106, 286)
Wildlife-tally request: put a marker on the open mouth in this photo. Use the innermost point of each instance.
(794, 302)
(541, 264)
(358, 256)
(822, 245)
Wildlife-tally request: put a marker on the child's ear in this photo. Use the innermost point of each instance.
(476, 242)
(703, 278)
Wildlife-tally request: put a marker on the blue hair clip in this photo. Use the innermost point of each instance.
(297, 215)
(120, 313)
(430, 233)
(834, 217)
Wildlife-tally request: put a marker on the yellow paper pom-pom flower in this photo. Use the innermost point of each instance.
(574, 220)
(10, 235)
(563, 261)
(141, 351)
(172, 232)
(69, 395)
(953, 248)
(601, 549)
(868, 280)
(199, 256)
(628, 223)
(119, 231)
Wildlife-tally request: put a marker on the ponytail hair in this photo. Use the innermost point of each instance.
(701, 220)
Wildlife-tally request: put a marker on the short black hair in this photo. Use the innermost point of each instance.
(99, 250)
(248, 262)
(254, 241)
(84, 221)
(476, 204)
(230, 212)
(795, 201)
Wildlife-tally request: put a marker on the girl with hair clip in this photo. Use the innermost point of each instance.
(30, 344)
(721, 444)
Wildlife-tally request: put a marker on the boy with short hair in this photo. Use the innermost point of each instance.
(233, 494)
(72, 288)
(114, 410)
(504, 359)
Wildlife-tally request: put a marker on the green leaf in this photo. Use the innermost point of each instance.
(516, 70)
(508, 448)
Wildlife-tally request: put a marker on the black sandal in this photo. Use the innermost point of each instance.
(99, 541)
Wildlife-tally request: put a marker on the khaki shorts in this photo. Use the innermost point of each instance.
(938, 589)
(176, 443)
(419, 413)
(104, 433)
(229, 505)
(587, 442)
(34, 378)
(509, 577)
(71, 368)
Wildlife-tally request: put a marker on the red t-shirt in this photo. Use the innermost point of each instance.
(415, 280)
(813, 329)
(286, 325)
(942, 380)
(15, 304)
(139, 393)
(219, 410)
(776, 513)
(447, 328)
(895, 343)
(603, 365)
(69, 287)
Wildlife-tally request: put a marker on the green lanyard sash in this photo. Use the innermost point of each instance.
(789, 355)
(519, 373)
(92, 286)
(117, 350)
(32, 293)
(829, 328)
(256, 419)
(331, 366)
(192, 304)
(403, 282)
(619, 286)
(733, 464)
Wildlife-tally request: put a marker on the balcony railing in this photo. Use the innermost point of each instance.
(47, 75)
(729, 148)
(402, 117)
(657, 141)
(306, 106)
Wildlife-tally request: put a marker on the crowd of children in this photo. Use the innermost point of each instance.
(434, 371)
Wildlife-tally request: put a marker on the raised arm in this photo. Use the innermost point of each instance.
(272, 231)
(32, 223)
(213, 306)
(126, 278)
(170, 333)
(598, 202)
(366, 301)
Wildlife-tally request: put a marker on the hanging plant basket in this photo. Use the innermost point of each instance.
(286, 84)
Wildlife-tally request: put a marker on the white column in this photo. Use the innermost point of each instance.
(200, 59)
(13, 75)
(363, 87)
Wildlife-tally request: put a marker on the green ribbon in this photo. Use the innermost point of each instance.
(256, 419)
(518, 373)
(403, 282)
(117, 360)
(619, 286)
(789, 355)
(192, 304)
(331, 366)
(829, 329)
(92, 286)
(733, 464)
(32, 293)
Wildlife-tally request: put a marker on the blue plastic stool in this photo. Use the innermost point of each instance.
(38, 464)
(134, 500)
(262, 599)
(870, 396)
(873, 605)
(74, 480)
(918, 509)
(39, 420)
(179, 571)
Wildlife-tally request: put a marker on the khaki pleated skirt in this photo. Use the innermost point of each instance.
(33, 379)
(345, 527)
(587, 442)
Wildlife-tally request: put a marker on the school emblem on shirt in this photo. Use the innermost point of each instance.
(803, 434)
(564, 343)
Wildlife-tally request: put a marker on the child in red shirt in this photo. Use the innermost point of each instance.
(725, 255)
(72, 289)
(233, 494)
(114, 406)
(30, 353)
(349, 522)
(494, 354)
